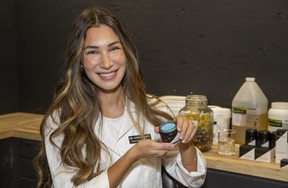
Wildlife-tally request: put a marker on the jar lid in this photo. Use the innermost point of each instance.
(263, 136)
(168, 127)
(251, 133)
(280, 105)
(196, 98)
(280, 132)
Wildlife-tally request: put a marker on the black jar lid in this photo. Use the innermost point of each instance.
(280, 132)
(251, 133)
(263, 137)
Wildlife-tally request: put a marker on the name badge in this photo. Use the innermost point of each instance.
(136, 138)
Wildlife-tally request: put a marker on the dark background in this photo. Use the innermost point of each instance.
(201, 46)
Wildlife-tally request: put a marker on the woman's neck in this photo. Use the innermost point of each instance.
(113, 103)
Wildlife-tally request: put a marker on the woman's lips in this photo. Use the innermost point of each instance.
(108, 75)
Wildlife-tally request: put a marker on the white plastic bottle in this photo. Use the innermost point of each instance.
(278, 116)
(222, 118)
(249, 109)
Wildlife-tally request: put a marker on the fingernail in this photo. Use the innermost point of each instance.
(171, 146)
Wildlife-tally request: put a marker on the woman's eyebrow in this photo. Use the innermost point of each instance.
(97, 47)
(113, 43)
(91, 46)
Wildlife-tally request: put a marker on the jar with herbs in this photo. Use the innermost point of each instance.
(196, 110)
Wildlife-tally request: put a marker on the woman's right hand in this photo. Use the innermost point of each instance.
(151, 149)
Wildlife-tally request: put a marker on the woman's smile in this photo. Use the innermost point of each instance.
(108, 75)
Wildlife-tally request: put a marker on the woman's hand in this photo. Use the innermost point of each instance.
(151, 149)
(186, 129)
(186, 147)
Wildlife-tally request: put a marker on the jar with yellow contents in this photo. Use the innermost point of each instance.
(196, 110)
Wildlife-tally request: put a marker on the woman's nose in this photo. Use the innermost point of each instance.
(106, 62)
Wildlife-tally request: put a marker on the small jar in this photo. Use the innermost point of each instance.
(168, 132)
(278, 116)
(250, 137)
(196, 110)
(263, 138)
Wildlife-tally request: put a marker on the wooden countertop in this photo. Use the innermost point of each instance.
(20, 125)
(26, 125)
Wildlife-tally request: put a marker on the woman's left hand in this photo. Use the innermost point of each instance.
(186, 128)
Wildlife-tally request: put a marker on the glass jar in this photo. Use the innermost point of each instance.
(196, 110)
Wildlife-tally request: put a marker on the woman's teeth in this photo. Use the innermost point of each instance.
(107, 74)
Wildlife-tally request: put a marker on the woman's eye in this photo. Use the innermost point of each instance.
(115, 48)
(92, 52)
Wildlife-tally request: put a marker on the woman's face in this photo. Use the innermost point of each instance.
(104, 59)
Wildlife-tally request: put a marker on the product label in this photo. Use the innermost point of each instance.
(285, 124)
(252, 143)
(238, 116)
(239, 110)
(243, 116)
(275, 124)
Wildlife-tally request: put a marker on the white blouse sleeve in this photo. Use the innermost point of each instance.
(61, 174)
(173, 165)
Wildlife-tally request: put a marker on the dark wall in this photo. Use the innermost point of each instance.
(8, 54)
(205, 47)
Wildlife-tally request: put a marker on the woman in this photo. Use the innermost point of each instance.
(102, 128)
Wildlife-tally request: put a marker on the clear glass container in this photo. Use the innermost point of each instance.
(196, 110)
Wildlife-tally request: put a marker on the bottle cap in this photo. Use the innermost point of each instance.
(251, 133)
(263, 138)
(250, 137)
(280, 132)
(250, 79)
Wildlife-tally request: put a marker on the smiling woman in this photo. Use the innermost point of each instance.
(100, 104)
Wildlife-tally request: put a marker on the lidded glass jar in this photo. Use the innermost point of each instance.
(196, 110)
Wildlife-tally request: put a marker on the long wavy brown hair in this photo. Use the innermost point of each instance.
(77, 102)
